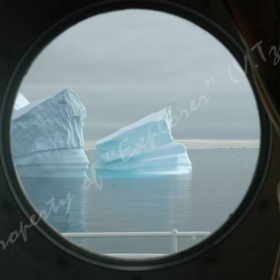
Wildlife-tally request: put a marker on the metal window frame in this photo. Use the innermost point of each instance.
(15, 201)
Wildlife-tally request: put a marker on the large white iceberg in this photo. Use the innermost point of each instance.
(47, 137)
(145, 147)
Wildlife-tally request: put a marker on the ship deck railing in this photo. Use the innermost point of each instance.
(174, 234)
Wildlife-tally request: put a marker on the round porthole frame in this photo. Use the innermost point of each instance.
(14, 182)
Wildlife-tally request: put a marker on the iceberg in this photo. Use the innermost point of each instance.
(47, 137)
(145, 147)
(21, 101)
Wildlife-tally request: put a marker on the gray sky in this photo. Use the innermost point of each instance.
(125, 65)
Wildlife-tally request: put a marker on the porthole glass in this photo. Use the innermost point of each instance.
(135, 134)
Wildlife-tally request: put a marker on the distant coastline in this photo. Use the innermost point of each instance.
(195, 144)
(219, 144)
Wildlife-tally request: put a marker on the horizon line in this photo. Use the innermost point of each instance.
(204, 143)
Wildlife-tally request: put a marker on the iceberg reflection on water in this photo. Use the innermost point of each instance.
(141, 203)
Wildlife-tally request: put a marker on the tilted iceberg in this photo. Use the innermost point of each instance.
(145, 147)
(47, 137)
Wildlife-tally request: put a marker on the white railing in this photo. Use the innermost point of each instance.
(174, 234)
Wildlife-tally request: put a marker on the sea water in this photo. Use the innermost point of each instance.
(201, 201)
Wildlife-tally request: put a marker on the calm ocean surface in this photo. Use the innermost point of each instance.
(201, 201)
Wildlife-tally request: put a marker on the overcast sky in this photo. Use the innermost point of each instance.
(125, 65)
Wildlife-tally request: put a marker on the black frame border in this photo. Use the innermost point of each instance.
(23, 201)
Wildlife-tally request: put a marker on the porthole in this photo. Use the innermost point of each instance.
(166, 189)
